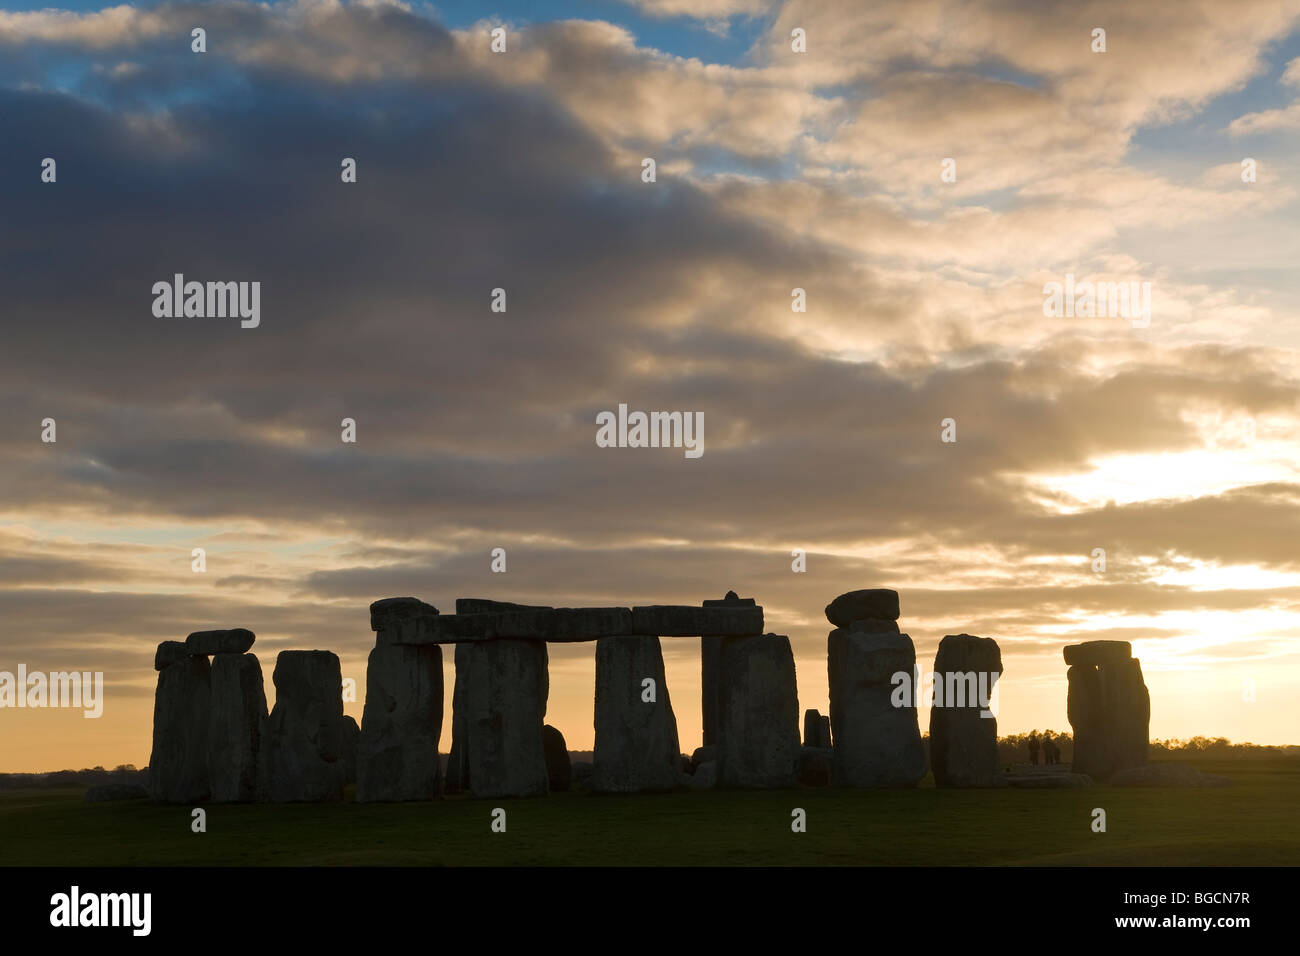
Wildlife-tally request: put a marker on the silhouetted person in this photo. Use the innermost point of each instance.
(1033, 749)
(1056, 753)
(1047, 748)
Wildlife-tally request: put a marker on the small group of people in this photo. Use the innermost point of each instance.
(1051, 751)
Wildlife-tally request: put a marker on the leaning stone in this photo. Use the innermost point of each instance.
(237, 640)
(170, 652)
(876, 743)
(504, 702)
(963, 731)
(397, 758)
(858, 605)
(636, 739)
(238, 717)
(303, 748)
(178, 765)
(758, 733)
(1167, 775)
(1109, 709)
(1098, 652)
(559, 771)
(685, 621)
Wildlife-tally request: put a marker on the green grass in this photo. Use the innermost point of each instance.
(1251, 823)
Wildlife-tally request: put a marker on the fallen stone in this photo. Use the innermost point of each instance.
(237, 640)
(636, 740)
(397, 758)
(1167, 775)
(237, 719)
(178, 764)
(302, 744)
(170, 652)
(1098, 652)
(758, 733)
(504, 702)
(876, 743)
(964, 742)
(559, 769)
(860, 605)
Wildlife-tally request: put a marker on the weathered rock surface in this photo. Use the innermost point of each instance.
(876, 743)
(636, 739)
(686, 621)
(711, 663)
(559, 770)
(861, 605)
(758, 732)
(1110, 711)
(963, 742)
(504, 702)
(401, 620)
(236, 721)
(102, 793)
(1167, 775)
(302, 744)
(816, 730)
(178, 765)
(170, 652)
(236, 640)
(397, 756)
(1096, 653)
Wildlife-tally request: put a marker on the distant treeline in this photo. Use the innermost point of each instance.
(1011, 750)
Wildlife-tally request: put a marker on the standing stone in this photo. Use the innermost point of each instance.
(397, 757)
(559, 770)
(178, 766)
(237, 718)
(636, 739)
(876, 743)
(1109, 709)
(710, 667)
(758, 732)
(816, 730)
(457, 760)
(303, 747)
(350, 745)
(504, 702)
(964, 744)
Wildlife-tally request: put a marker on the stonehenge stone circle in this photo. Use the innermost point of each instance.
(758, 732)
(636, 740)
(964, 744)
(457, 766)
(876, 743)
(1109, 708)
(397, 756)
(504, 701)
(178, 764)
(350, 745)
(237, 723)
(816, 730)
(303, 732)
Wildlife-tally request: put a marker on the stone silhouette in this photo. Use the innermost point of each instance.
(758, 732)
(559, 767)
(963, 741)
(636, 738)
(877, 744)
(303, 746)
(816, 730)
(397, 756)
(1109, 708)
(710, 667)
(237, 722)
(178, 765)
(504, 702)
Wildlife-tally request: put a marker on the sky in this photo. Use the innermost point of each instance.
(1166, 438)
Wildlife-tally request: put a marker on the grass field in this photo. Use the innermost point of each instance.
(1253, 822)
